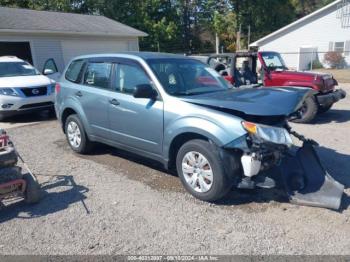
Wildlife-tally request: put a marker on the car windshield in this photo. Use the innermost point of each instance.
(274, 61)
(183, 77)
(9, 69)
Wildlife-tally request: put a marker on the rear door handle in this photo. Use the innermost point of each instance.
(79, 94)
(114, 102)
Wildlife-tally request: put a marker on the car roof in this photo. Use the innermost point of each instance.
(10, 59)
(142, 55)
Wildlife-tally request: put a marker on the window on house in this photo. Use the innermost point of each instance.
(339, 47)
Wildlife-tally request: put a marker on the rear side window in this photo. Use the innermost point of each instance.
(74, 70)
(98, 75)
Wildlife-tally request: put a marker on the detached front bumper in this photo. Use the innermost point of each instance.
(331, 98)
(304, 178)
(307, 182)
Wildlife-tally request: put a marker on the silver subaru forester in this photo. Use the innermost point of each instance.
(180, 112)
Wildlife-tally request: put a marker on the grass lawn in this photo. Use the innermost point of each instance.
(341, 75)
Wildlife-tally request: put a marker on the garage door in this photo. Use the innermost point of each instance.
(73, 48)
(19, 49)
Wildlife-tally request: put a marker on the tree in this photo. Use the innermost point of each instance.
(263, 17)
(225, 26)
(304, 7)
(187, 25)
(334, 59)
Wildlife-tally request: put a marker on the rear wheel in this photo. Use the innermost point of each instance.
(308, 111)
(324, 109)
(201, 171)
(76, 136)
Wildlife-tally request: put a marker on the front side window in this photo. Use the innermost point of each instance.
(273, 61)
(182, 77)
(128, 77)
(10, 69)
(98, 75)
(74, 71)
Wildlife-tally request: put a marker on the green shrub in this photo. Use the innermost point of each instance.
(316, 64)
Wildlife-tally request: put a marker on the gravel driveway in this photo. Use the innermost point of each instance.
(112, 202)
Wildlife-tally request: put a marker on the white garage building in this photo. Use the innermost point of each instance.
(309, 38)
(37, 36)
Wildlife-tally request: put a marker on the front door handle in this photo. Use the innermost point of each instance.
(114, 102)
(79, 94)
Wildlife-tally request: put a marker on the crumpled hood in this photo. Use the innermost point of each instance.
(254, 101)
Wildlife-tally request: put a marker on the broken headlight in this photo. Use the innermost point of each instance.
(263, 133)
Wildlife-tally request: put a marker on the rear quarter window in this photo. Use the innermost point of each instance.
(74, 71)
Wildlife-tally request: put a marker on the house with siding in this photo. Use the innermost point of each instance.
(37, 36)
(311, 37)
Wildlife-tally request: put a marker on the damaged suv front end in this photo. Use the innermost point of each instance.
(268, 144)
(305, 180)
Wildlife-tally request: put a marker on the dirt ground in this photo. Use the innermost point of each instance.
(112, 202)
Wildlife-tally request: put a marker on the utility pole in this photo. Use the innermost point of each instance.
(217, 43)
(248, 36)
(238, 41)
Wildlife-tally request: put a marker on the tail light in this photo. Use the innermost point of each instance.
(57, 88)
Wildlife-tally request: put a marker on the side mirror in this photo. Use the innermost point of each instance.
(48, 71)
(145, 91)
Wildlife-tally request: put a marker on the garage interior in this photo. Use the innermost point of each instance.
(19, 49)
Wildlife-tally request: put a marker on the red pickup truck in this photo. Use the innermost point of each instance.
(269, 69)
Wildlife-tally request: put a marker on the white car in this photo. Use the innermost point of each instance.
(23, 88)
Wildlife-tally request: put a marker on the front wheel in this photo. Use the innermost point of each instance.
(308, 111)
(201, 171)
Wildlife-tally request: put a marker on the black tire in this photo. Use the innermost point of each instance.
(308, 110)
(32, 193)
(8, 158)
(221, 183)
(85, 145)
(2, 118)
(324, 109)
